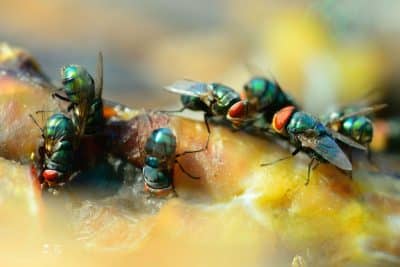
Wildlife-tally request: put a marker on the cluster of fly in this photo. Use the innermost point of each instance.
(264, 107)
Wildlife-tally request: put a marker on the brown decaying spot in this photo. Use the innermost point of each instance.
(128, 138)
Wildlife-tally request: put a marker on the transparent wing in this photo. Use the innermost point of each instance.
(348, 141)
(83, 108)
(81, 112)
(359, 112)
(190, 88)
(99, 76)
(256, 70)
(371, 96)
(253, 68)
(327, 148)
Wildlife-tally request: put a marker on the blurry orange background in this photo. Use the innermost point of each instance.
(340, 48)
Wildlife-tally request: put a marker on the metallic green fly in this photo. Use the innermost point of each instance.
(354, 123)
(56, 153)
(262, 98)
(160, 159)
(308, 134)
(85, 97)
(214, 99)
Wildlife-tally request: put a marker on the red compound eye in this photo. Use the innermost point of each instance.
(237, 110)
(281, 118)
(50, 175)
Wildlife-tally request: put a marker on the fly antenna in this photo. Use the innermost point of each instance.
(294, 153)
(35, 122)
(44, 111)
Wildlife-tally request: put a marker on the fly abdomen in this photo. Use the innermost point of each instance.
(360, 128)
(156, 179)
(60, 160)
(58, 127)
(59, 136)
(193, 103)
(224, 97)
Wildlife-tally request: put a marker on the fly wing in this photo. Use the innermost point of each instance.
(81, 113)
(348, 141)
(371, 96)
(99, 76)
(360, 112)
(190, 88)
(83, 108)
(326, 147)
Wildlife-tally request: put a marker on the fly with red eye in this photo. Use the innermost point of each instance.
(307, 134)
(55, 161)
(261, 99)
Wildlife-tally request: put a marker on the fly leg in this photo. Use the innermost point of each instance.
(351, 161)
(206, 117)
(45, 111)
(173, 111)
(294, 153)
(66, 99)
(311, 166)
(36, 123)
(185, 171)
(371, 160)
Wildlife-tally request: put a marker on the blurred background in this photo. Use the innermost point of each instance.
(322, 52)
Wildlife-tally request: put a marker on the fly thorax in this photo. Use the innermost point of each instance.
(256, 91)
(223, 98)
(268, 94)
(331, 120)
(301, 122)
(336, 126)
(269, 97)
(78, 83)
(161, 144)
